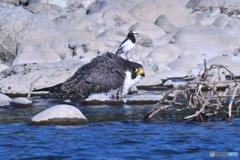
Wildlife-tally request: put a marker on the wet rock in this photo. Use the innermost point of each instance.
(27, 28)
(98, 97)
(170, 83)
(4, 100)
(144, 99)
(150, 10)
(4, 103)
(35, 52)
(21, 102)
(60, 115)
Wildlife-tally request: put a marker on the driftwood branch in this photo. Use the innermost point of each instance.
(202, 94)
(31, 86)
(231, 102)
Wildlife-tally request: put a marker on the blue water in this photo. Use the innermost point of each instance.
(115, 132)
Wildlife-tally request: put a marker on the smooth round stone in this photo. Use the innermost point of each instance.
(60, 115)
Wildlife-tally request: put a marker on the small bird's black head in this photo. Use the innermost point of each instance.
(131, 36)
(132, 33)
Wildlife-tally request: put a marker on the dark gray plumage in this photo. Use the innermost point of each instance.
(108, 74)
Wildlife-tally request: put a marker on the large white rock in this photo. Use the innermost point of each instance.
(117, 17)
(5, 98)
(3, 67)
(35, 52)
(148, 29)
(151, 78)
(18, 79)
(98, 97)
(60, 115)
(46, 10)
(21, 102)
(60, 3)
(231, 64)
(28, 28)
(150, 10)
(185, 63)
(101, 6)
(206, 41)
(166, 24)
(165, 54)
(14, 2)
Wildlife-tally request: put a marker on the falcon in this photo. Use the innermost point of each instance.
(107, 74)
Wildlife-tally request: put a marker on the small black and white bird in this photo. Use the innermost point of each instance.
(107, 74)
(128, 44)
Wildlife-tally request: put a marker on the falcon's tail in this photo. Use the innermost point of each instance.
(54, 91)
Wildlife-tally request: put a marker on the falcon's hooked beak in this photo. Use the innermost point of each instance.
(141, 72)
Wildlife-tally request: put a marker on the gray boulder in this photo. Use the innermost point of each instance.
(148, 29)
(49, 11)
(20, 78)
(14, 2)
(34, 52)
(27, 28)
(165, 54)
(60, 115)
(206, 41)
(4, 100)
(166, 24)
(231, 64)
(60, 3)
(150, 10)
(3, 67)
(21, 102)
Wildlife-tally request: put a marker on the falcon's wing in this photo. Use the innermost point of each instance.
(100, 76)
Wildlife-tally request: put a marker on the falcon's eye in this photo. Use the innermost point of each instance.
(135, 69)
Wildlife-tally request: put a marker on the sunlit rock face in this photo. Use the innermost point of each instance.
(60, 115)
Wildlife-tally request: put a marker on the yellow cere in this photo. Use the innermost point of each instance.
(140, 71)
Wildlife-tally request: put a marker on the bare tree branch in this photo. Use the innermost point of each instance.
(202, 94)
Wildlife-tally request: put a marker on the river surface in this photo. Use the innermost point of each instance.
(115, 132)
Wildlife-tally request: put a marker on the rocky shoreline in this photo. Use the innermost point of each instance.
(43, 42)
